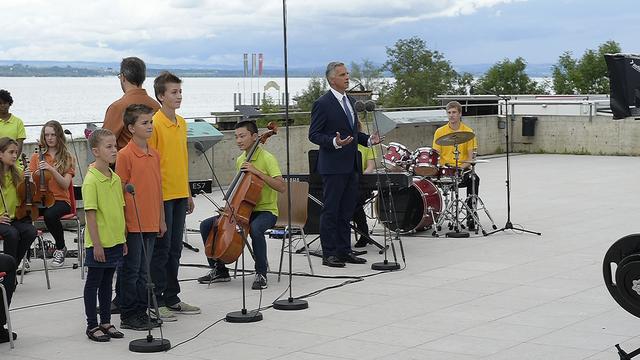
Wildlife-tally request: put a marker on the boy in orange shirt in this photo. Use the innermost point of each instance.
(139, 165)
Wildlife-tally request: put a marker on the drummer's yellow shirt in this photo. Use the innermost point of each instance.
(447, 156)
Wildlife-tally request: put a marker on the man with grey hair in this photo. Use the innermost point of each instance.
(334, 126)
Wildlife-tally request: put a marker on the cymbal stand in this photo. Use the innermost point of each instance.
(457, 227)
(475, 200)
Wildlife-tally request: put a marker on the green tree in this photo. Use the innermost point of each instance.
(509, 77)
(463, 83)
(369, 75)
(420, 74)
(316, 88)
(587, 75)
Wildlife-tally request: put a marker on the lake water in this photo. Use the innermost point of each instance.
(37, 100)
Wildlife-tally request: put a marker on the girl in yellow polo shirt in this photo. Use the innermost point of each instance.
(18, 234)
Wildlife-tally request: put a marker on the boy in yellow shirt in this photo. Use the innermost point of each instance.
(169, 139)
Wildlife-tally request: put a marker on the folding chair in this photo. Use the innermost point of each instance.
(299, 199)
(6, 307)
(44, 260)
(71, 216)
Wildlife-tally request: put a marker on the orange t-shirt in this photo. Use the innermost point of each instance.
(59, 193)
(142, 170)
(113, 118)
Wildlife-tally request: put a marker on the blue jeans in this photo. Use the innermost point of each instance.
(167, 252)
(99, 280)
(133, 277)
(259, 222)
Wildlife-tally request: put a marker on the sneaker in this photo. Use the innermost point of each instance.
(154, 322)
(184, 308)
(58, 258)
(27, 267)
(166, 315)
(214, 276)
(260, 282)
(134, 322)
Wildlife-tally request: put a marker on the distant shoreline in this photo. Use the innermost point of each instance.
(26, 70)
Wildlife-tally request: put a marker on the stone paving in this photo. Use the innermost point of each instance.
(505, 296)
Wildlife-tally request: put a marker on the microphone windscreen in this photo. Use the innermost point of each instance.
(67, 131)
(130, 188)
(198, 145)
(359, 106)
(370, 105)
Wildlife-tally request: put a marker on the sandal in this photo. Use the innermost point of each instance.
(91, 334)
(112, 332)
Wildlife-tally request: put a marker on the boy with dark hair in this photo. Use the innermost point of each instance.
(139, 165)
(264, 165)
(132, 75)
(169, 138)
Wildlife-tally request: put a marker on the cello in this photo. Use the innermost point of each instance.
(226, 241)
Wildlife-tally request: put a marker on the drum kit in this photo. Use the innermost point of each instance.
(433, 198)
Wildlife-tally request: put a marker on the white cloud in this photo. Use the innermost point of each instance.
(108, 30)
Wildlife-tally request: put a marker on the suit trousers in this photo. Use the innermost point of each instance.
(340, 193)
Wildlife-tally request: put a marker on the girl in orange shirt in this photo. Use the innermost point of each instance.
(59, 162)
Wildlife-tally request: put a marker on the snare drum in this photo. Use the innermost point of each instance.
(397, 157)
(425, 161)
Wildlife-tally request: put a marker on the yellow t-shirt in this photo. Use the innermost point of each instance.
(13, 128)
(10, 197)
(169, 139)
(447, 156)
(367, 153)
(266, 163)
(104, 195)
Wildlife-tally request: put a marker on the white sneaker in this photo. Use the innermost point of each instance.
(27, 267)
(58, 258)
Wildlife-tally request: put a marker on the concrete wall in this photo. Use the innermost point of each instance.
(579, 135)
(598, 135)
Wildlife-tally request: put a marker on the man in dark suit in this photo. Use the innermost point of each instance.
(334, 126)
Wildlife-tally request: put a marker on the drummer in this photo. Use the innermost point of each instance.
(467, 152)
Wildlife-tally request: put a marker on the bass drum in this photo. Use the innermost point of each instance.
(416, 207)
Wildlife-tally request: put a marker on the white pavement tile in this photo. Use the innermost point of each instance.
(468, 345)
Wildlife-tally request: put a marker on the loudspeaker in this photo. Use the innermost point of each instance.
(624, 84)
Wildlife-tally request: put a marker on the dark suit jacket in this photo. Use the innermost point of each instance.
(327, 118)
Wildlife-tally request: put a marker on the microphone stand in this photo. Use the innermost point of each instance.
(385, 265)
(80, 257)
(243, 315)
(509, 225)
(149, 344)
(290, 303)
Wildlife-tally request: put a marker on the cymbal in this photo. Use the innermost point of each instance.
(455, 138)
(476, 161)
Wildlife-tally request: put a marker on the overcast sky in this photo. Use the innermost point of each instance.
(218, 32)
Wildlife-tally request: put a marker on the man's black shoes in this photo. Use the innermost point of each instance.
(332, 261)
(352, 259)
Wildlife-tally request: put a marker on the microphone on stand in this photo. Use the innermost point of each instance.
(149, 343)
(370, 105)
(73, 143)
(359, 106)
